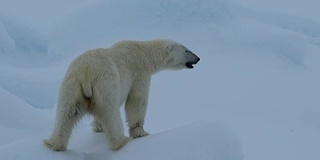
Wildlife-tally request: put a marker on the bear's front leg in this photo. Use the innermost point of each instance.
(137, 131)
(136, 107)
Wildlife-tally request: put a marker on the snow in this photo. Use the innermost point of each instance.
(254, 94)
(181, 143)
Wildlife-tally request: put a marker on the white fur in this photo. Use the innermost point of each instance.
(99, 81)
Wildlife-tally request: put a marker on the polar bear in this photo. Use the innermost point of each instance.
(99, 81)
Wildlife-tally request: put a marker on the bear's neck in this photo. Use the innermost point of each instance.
(149, 60)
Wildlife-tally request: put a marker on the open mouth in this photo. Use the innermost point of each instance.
(190, 64)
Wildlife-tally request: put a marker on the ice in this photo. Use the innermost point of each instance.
(23, 128)
(204, 140)
(7, 44)
(19, 38)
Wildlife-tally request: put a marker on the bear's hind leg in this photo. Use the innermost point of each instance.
(97, 127)
(112, 125)
(65, 121)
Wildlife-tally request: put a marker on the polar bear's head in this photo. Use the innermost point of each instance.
(180, 56)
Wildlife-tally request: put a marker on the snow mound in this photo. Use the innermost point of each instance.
(205, 141)
(17, 38)
(16, 110)
(31, 86)
(6, 43)
(19, 119)
(23, 127)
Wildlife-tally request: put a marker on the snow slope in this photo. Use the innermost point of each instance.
(254, 94)
(181, 143)
(21, 139)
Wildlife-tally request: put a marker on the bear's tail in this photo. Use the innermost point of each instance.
(86, 90)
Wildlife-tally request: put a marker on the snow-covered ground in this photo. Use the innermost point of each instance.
(254, 95)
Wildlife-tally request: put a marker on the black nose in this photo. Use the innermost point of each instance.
(197, 58)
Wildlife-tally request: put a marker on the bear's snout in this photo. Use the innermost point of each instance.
(197, 59)
(194, 60)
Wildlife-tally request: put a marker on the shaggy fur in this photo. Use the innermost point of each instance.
(99, 81)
